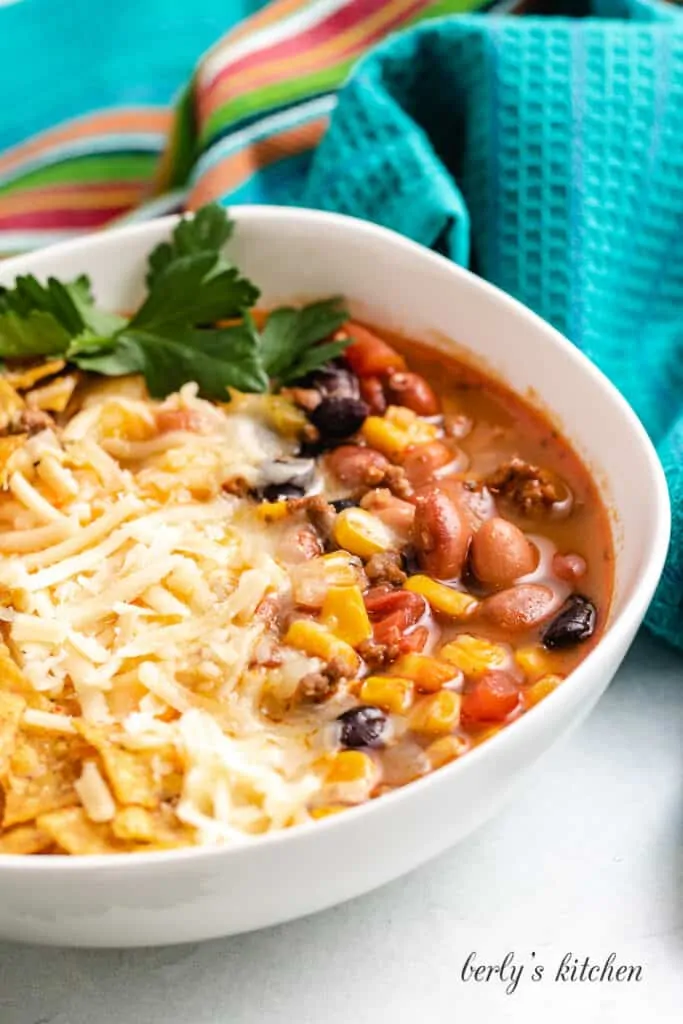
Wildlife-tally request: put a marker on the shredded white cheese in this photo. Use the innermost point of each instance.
(136, 580)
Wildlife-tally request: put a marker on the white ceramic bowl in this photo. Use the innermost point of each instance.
(184, 896)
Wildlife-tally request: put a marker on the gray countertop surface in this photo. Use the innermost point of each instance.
(587, 861)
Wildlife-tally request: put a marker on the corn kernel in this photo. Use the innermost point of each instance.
(428, 674)
(437, 714)
(362, 533)
(442, 598)
(474, 656)
(326, 810)
(315, 640)
(534, 661)
(272, 511)
(391, 694)
(446, 749)
(405, 419)
(398, 429)
(540, 689)
(344, 614)
(351, 777)
(384, 436)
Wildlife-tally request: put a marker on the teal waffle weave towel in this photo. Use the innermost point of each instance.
(546, 153)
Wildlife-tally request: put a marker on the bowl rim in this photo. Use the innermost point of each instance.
(634, 607)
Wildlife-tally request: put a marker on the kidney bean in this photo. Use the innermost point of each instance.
(412, 391)
(441, 535)
(501, 553)
(395, 513)
(569, 567)
(368, 355)
(518, 608)
(421, 462)
(372, 393)
(490, 698)
(356, 466)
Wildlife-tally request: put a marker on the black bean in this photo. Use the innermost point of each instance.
(332, 382)
(362, 727)
(278, 492)
(574, 623)
(338, 418)
(343, 503)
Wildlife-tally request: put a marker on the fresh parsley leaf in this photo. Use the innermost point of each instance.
(215, 358)
(290, 337)
(190, 285)
(187, 293)
(208, 231)
(314, 358)
(37, 334)
(37, 319)
(99, 321)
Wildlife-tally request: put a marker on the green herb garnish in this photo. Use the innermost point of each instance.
(174, 338)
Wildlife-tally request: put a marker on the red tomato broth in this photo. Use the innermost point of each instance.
(505, 426)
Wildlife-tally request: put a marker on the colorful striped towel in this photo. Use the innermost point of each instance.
(545, 152)
(84, 148)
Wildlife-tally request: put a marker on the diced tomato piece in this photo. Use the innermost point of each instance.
(491, 698)
(383, 601)
(393, 612)
(415, 641)
(368, 355)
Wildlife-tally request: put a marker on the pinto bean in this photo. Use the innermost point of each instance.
(368, 355)
(441, 535)
(395, 513)
(519, 608)
(412, 391)
(372, 393)
(356, 466)
(501, 553)
(421, 462)
(569, 567)
(475, 503)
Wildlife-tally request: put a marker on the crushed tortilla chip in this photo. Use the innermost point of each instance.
(24, 378)
(10, 404)
(11, 709)
(8, 446)
(54, 396)
(40, 775)
(11, 677)
(129, 775)
(73, 831)
(24, 839)
(160, 828)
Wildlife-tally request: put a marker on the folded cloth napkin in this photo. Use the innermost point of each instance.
(543, 152)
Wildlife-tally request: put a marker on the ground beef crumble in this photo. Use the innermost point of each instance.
(316, 687)
(385, 568)
(530, 488)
